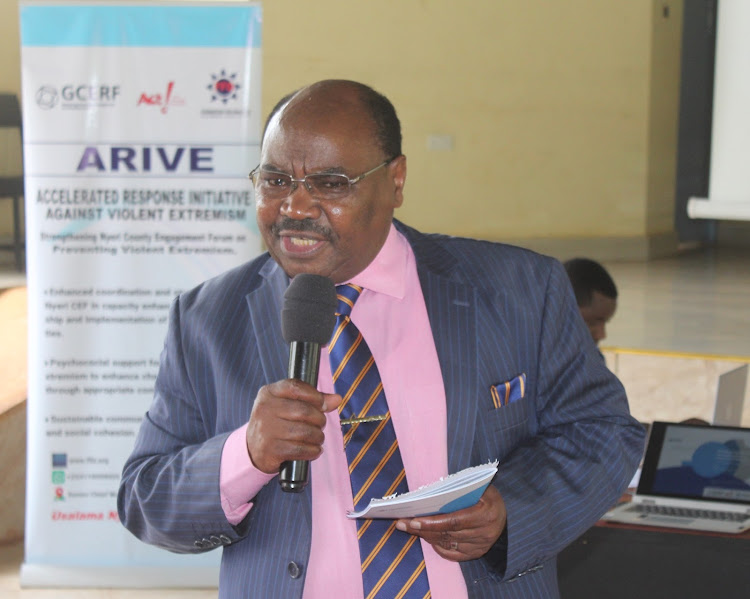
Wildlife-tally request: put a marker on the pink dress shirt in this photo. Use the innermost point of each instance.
(392, 317)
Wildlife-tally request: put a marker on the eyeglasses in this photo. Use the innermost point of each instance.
(322, 186)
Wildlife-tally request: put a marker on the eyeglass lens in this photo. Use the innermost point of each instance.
(280, 185)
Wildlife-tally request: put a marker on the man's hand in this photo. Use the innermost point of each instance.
(465, 534)
(287, 423)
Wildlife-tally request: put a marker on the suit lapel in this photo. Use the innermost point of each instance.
(264, 304)
(451, 309)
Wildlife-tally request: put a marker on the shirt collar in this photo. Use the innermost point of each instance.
(387, 272)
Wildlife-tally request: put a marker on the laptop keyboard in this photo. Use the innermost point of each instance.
(677, 512)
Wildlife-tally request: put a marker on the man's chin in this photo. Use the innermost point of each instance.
(294, 267)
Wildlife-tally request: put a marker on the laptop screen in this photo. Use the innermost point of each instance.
(697, 462)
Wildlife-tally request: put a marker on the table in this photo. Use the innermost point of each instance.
(616, 561)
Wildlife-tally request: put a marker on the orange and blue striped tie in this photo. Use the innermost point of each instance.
(392, 561)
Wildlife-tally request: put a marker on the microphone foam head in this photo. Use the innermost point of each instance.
(309, 311)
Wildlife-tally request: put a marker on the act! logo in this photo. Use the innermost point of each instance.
(223, 87)
(162, 100)
(77, 96)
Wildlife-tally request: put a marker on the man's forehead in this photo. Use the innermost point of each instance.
(306, 127)
(308, 132)
(321, 114)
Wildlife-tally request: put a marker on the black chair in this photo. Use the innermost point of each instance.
(11, 185)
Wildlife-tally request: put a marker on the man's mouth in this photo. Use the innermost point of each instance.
(300, 237)
(300, 245)
(302, 242)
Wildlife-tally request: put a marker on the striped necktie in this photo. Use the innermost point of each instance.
(392, 561)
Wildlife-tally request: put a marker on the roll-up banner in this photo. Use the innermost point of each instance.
(141, 122)
(729, 178)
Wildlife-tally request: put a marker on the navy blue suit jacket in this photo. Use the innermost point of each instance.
(567, 448)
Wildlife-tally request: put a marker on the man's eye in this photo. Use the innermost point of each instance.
(331, 182)
(273, 180)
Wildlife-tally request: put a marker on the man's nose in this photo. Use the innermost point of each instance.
(299, 204)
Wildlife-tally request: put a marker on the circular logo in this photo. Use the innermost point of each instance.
(46, 97)
(224, 87)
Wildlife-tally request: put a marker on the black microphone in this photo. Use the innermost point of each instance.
(307, 320)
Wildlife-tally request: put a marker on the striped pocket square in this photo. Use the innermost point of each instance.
(509, 391)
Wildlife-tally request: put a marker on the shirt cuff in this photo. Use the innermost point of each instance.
(239, 479)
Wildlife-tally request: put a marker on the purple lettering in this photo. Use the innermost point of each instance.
(90, 158)
(170, 166)
(199, 155)
(124, 155)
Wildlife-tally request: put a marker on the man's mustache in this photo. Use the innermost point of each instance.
(306, 225)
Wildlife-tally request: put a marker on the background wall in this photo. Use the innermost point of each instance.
(552, 124)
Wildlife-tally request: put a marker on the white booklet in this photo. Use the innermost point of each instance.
(454, 492)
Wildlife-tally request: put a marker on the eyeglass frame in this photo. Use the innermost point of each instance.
(295, 182)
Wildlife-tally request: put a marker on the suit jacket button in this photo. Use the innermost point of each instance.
(215, 541)
(294, 570)
(225, 539)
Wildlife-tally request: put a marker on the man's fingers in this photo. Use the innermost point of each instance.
(464, 534)
(489, 511)
(296, 389)
(331, 401)
(465, 519)
(287, 423)
(295, 401)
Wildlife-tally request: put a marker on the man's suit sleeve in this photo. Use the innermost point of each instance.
(585, 446)
(169, 492)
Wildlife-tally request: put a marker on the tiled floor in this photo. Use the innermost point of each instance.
(680, 323)
(11, 557)
(698, 302)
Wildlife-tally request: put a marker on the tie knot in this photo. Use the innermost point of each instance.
(346, 296)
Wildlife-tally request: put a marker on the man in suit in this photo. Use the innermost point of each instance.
(480, 351)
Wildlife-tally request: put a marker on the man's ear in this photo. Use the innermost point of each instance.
(397, 172)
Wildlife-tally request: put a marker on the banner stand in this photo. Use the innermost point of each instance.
(141, 122)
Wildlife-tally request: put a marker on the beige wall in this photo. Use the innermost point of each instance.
(10, 81)
(663, 119)
(562, 115)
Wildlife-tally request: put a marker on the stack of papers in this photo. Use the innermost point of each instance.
(454, 492)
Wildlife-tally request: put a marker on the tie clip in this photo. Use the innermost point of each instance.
(364, 419)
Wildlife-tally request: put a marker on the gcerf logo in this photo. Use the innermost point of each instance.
(164, 101)
(77, 96)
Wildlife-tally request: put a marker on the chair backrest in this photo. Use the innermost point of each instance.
(10, 111)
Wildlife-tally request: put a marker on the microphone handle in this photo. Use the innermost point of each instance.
(304, 362)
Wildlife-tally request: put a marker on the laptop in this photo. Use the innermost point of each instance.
(693, 477)
(730, 397)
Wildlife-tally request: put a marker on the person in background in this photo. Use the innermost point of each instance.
(476, 346)
(596, 294)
